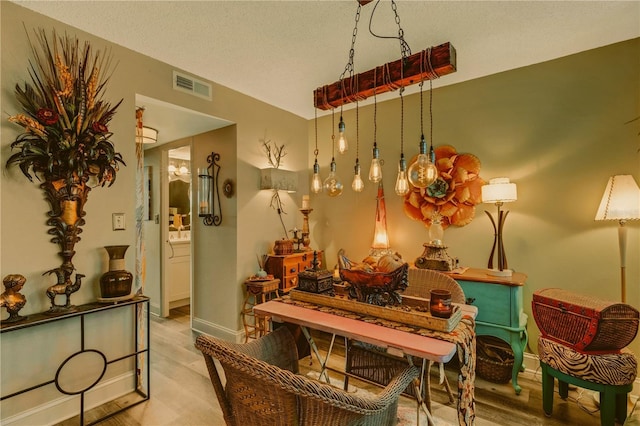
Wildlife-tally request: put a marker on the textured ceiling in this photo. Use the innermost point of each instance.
(280, 51)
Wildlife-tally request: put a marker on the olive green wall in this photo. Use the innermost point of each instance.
(557, 129)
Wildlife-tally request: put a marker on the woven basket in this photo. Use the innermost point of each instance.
(494, 359)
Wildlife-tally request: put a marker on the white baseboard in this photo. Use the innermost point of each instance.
(206, 327)
(65, 407)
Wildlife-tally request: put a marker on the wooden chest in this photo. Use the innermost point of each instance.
(286, 267)
(584, 323)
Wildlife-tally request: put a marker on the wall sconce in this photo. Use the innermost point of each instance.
(621, 202)
(280, 180)
(208, 192)
(498, 192)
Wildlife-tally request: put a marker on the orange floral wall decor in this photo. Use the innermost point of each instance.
(453, 196)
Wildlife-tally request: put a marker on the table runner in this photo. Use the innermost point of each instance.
(463, 336)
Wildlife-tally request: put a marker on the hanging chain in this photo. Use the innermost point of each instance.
(349, 67)
(333, 134)
(375, 106)
(421, 111)
(315, 151)
(357, 131)
(430, 112)
(404, 47)
(401, 123)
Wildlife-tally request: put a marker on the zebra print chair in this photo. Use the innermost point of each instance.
(611, 374)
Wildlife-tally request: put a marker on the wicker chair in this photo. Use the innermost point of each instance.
(370, 363)
(263, 387)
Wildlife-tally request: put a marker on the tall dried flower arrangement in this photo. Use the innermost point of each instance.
(66, 142)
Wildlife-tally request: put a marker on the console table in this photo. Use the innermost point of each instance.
(500, 310)
(138, 308)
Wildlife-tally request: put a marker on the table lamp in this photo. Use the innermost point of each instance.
(621, 202)
(498, 192)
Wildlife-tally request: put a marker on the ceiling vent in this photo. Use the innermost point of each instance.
(188, 84)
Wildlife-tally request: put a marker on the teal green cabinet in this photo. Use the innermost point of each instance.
(500, 314)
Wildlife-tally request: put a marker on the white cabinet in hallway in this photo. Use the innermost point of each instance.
(179, 273)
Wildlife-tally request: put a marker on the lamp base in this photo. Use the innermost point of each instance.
(499, 273)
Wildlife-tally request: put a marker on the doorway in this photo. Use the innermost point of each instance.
(177, 271)
(176, 127)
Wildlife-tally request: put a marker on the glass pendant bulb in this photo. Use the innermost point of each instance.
(422, 172)
(357, 184)
(316, 182)
(402, 183)
(375, 171)
(332, 184)
(342, 137)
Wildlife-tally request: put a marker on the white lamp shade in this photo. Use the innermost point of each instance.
(621, 199)
(499, 190)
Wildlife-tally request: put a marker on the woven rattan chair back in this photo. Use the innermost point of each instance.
(422, 281)
(262, 387)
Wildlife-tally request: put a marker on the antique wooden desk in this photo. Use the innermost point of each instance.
(500, 310)
(397, 342)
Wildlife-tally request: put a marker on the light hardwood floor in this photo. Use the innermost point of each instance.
(181, 393)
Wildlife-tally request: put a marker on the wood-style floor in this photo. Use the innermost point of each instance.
(181, 393)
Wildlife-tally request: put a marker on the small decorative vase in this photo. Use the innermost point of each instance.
(116, 282)
(261, 273)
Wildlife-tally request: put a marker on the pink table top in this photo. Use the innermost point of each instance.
(408, 343)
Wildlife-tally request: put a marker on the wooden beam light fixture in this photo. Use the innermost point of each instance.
(387, 77)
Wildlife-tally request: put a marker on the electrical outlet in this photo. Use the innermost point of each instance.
(118, 221)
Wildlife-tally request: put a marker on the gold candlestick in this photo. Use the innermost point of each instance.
(305, 228)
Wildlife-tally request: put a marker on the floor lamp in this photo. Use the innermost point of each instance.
(621, 202)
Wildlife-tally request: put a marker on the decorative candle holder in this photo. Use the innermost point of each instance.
(306, 240)
(440, 303)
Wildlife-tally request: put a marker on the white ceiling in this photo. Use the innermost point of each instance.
(281, 51)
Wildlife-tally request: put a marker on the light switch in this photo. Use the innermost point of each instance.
(118, 222)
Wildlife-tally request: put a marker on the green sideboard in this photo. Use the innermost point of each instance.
(500, 314)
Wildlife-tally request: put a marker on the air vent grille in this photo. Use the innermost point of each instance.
(188, 84)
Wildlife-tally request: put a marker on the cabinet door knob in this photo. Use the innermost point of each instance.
(292, 270)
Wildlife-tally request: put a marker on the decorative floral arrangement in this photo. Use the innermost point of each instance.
(64, 117)
(453, 196)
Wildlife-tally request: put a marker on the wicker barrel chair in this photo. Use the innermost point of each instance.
(263, 388)
(370, 363)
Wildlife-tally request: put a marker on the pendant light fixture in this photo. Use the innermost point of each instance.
(316, 181)
(375, 171)
(358, 184)
(402, 183)
(423, 171)
(343, 146)
(332, 184)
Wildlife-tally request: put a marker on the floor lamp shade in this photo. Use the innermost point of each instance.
(621, 199)
(621, 202)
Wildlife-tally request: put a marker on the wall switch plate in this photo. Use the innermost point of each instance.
(118, 221)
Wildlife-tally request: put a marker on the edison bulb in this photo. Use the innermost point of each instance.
(402, 183)
(343, 146)
(316, 182)
(332, 184)
(422, 172)
(357, 184)
(375, 171)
